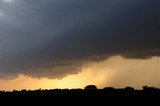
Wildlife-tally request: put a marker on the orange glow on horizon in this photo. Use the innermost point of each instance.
(115, 71)
(71, 81)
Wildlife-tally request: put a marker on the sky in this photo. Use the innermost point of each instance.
(70, 44)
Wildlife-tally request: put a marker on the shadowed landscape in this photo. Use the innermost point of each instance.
(89, 96)
(51, 44)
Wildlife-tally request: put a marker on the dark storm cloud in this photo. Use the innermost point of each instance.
(53, 38)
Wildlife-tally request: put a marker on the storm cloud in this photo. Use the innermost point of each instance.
(54, 38)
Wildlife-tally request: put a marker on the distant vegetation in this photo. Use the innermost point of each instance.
(88, 87)
(90, 95)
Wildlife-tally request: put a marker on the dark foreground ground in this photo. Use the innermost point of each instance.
(78, 97)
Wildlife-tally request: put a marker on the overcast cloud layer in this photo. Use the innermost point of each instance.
(53, 38)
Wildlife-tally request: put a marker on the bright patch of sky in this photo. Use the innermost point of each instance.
(8, 1)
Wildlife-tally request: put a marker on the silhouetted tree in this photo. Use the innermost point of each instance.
(145, 87)
(90, 87)
(129, 89)
(150, 89)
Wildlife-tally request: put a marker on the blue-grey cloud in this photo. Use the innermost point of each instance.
(53, 38)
